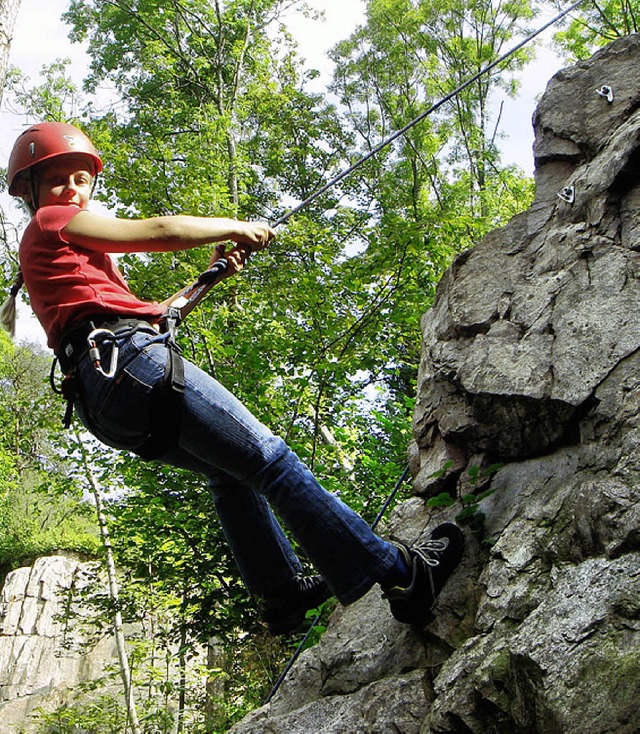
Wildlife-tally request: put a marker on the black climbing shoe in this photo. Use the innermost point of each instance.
(286, 613)
(432, 561)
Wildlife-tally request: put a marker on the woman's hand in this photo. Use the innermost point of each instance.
(256, 235)
(236, 258)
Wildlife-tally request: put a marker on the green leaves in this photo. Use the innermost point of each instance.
(593, 25)
(41, 508)
(320, 335)
(444, 499)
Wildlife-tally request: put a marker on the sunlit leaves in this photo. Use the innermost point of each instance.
(319, 336)
(41, 508)
(594, 25)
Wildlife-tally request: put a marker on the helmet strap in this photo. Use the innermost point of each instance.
(33, 185)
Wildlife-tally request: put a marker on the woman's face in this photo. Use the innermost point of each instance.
(63, 181)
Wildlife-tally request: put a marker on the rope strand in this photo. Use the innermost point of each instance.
(394, 136)
(196, 292)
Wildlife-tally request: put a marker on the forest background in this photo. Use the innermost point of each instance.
(208, 108)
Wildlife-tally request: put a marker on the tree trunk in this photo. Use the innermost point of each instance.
(216, 683)
(125, 670)
(8, 14)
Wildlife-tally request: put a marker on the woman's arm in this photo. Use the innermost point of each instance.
(162, 234)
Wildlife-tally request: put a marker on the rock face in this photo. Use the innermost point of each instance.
(530, 360)
(43, 650)
(54, 653)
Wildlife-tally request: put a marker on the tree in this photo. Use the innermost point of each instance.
(407, 56)
(190, 71)
(114, 593)
(440, 187)
(228, 95)
(8, 14)
(320, 335)
(595, 25)
(42, 508)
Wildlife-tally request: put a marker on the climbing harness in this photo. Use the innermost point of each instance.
(91, 338)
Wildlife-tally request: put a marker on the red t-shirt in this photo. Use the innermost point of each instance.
(67, 283)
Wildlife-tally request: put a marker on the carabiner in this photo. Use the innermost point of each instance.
(94, 352)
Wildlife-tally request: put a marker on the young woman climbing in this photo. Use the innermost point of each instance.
(133, 390)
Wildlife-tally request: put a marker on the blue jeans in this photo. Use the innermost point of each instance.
(250, 471)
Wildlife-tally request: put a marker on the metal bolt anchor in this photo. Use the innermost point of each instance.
(568, 194)
(606, 91)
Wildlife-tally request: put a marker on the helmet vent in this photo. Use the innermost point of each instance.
(32, 149)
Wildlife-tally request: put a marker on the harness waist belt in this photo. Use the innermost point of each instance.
(73, 344)
(167, 394)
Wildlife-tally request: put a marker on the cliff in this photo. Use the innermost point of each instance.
(530, 361)
(45, 653)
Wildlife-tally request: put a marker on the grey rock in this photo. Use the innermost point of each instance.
(44, 651)
(531, 359)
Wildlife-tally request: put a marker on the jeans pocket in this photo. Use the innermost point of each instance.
(118, 410)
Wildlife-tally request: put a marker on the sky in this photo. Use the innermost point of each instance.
(40, 37)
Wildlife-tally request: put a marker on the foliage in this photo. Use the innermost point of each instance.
(55, 98)
(192, 73)
(308, 327)
(595, 25)
(473, 487)
(103, 715)
(41, 510)
(96, 707)
(407, 57)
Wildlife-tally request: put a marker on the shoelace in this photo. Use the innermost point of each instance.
(427, 549)
(307, 583)
(430, 550)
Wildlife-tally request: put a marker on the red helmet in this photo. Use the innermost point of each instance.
(48, 140)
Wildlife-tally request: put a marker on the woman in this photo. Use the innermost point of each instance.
(157, 404)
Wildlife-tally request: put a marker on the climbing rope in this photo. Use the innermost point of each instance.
(374, 151)
(192, 295)
(189, 297)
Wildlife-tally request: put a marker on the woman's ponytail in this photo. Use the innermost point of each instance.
(8, 309)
